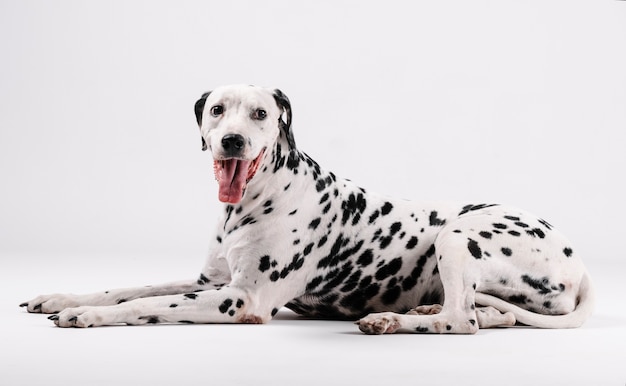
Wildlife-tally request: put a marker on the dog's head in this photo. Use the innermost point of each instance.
(238, 124)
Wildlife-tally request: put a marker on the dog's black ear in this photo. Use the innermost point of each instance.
(199, 109)
(285, 125)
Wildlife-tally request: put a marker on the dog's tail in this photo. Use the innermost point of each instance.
(584, 308)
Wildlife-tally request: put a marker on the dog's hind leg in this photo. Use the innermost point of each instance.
(487, 317)
(459, 275)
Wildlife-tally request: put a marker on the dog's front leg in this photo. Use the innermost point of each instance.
(49, 304)
(226, 305)
(214, 275)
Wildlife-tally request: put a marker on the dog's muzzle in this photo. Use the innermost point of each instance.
(233, 175)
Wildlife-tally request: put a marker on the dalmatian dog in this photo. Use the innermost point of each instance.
(293, 234)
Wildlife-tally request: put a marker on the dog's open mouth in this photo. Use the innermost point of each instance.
(233, 176)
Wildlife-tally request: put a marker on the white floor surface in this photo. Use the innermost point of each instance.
(289, 350)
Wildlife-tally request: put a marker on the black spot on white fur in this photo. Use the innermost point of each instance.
(474, 249)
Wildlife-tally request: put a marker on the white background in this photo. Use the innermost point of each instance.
(103, 183)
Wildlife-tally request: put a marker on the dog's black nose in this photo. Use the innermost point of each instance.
(233, 144)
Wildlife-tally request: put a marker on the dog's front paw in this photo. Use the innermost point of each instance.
(50, 304)
(78, 317)
(380, 323)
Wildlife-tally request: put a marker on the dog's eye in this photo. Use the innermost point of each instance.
(259, 114)
(217, 110)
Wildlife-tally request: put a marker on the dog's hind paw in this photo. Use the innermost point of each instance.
(380, 323)
(425, 310)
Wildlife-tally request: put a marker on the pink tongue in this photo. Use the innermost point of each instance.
(232, 180)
